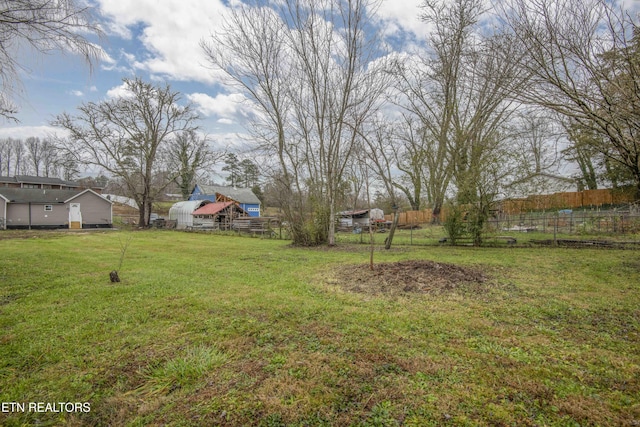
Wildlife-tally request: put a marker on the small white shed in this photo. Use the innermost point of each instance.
(182, 212)
(362, 217)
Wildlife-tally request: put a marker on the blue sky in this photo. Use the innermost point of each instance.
(157, 40)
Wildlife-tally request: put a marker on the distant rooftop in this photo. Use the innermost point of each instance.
(37, 180)
(241, 195)
(37, 195)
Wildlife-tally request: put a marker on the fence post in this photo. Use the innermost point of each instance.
(571, 222)
(411, 233)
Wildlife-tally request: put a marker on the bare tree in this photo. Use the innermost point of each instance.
(251, 49)
(67, 164)
(584, 58)
(424, 163)
(44, 25)
(6, 155)
(20, 158)
(382, 158)
(187, 156)
(34, 150)
(308, 68)
(42, 155)
(582, 151)
(462, 93)
(125, 136)
(535, 137)
(428, 84)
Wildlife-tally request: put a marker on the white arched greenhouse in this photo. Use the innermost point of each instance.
(181, 212)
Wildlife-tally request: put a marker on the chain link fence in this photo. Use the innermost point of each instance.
(597, 222)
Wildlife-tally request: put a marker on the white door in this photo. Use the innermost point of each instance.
(75, 216)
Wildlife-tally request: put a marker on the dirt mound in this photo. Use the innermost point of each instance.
(416, 276)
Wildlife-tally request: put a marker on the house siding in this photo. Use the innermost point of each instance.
(252, 210)
(96, 211)
(18, 215)
(196, 194)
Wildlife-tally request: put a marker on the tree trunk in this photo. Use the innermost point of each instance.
(141, 217)
(435, 214)
(392, 230)
(331, 237)
(142, 214)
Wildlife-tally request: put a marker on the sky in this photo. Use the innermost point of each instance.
(158, 41)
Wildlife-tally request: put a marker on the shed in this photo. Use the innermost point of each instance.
(362, 217)
(53, 208)
(248, 201)
(181, 212)
(217, 215)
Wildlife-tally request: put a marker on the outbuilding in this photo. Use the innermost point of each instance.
(30, 208)
(245, 198)
(361, 217)
(182, 212)
(218, 215)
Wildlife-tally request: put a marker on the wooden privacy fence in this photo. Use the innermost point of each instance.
(566, 200)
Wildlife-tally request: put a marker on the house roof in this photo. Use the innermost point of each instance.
(360, 212)
(29, 179)
(123, 200)
(187, 206)
(37, 195)
(241, 195)
(212, 208)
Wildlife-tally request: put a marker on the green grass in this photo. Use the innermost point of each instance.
(430, 235)
(221, 330)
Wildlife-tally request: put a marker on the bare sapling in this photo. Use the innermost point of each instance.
(113, 276)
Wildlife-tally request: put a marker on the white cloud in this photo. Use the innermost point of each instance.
(401, 17)
(170, 31)
(230, 140)
(119, 92)
(229, 109)
(77, 93)
(23, 132)
(167, 35)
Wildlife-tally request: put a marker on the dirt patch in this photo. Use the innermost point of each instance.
(404, 277)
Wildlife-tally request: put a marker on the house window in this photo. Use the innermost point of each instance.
(48, 208)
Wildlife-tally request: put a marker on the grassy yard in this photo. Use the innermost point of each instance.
(222, 330)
